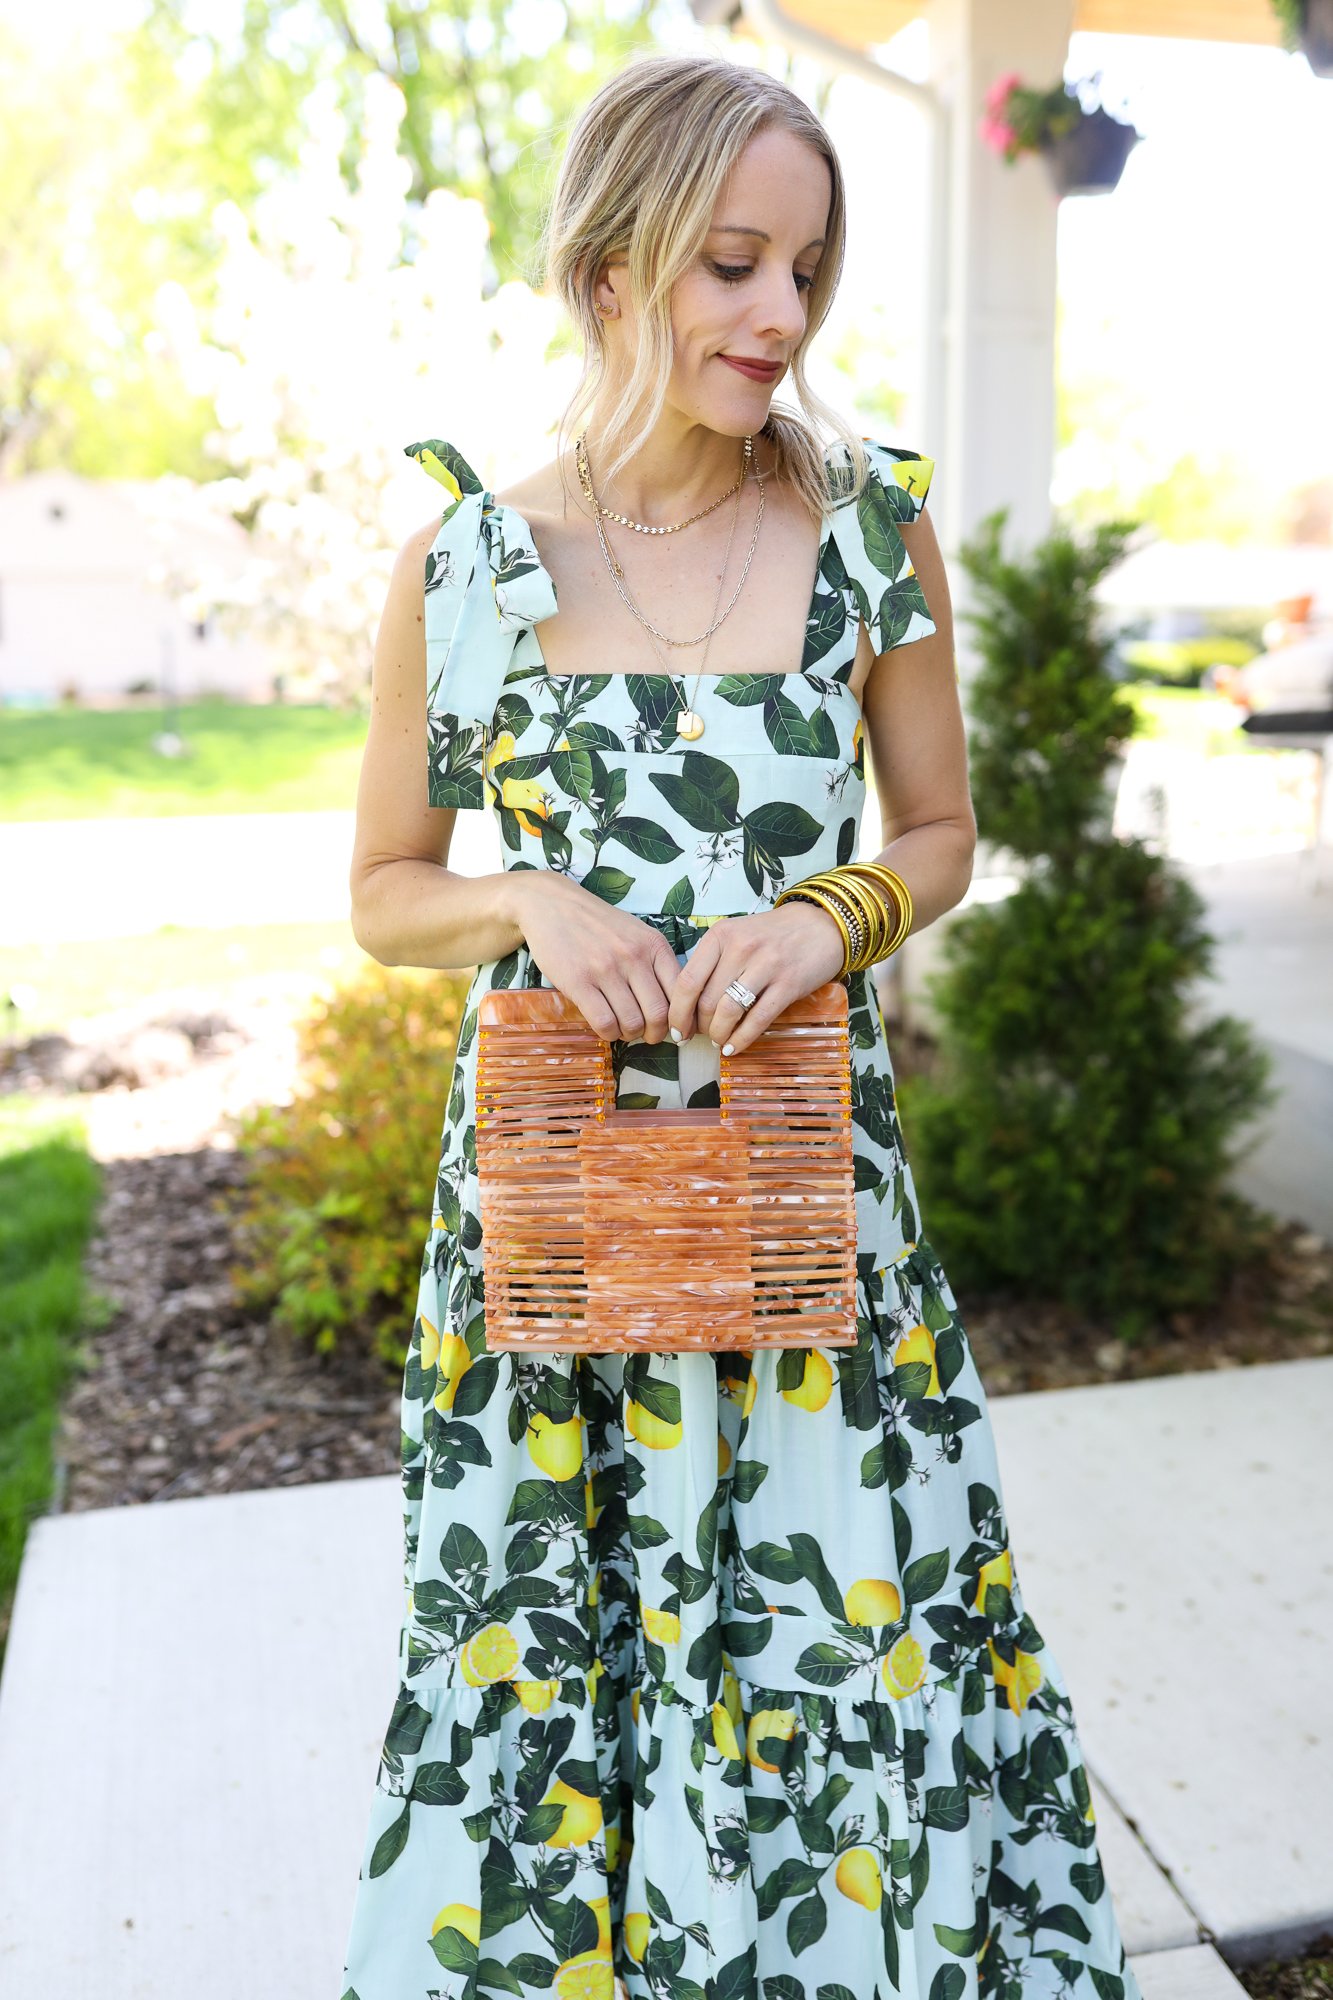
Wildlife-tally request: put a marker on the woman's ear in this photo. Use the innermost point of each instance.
(604, 299)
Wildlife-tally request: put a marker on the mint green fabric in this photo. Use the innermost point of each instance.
(715, 1670)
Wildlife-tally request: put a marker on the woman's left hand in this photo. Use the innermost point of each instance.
(781, 955)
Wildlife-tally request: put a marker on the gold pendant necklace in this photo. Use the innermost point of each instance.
(689, 723)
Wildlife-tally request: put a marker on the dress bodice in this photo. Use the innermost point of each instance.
(587, 773)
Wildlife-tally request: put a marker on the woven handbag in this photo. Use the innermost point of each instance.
(657, 1230)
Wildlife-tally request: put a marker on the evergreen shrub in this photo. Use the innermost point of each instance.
(1074, 1139)
(335, 1211)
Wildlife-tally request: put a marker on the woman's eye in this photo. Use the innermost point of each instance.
(732, 273)
(803, 283)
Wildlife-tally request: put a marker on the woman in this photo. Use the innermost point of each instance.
(715, 1671)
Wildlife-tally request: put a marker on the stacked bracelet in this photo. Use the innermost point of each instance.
(869, 902)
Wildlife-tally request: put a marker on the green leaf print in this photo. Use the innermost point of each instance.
(946, 1807)
(925, 1577)
(391, 1842)
(747, 690)
(493, 1972)
(883, 544)
(408, 1726)
(784, 828)
(806, 1924)
(438, 1784)
(679, 898)
(658, 701)
(572, 770)
(659, 1398)
(644, 837)
(897, 607)
(747, 1476)
(823, 628)
(786, 727)
(810, 1555)
(462, 1551)
(612, 885)
(826, 1665)
(455, 1952)
(705, 792)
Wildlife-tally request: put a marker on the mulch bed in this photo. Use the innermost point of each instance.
(1308, 1977)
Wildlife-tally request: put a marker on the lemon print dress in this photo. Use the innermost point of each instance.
(715, 1672)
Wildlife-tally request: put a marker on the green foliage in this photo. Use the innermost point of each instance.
(331, 1218)
(490, 86)
(1182, 662)
(48, 1193)
(1075, 1142)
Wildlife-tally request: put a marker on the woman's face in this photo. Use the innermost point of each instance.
(744, 299)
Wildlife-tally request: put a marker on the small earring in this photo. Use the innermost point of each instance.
(606, 311)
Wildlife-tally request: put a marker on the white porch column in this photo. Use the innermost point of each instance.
(990, 373)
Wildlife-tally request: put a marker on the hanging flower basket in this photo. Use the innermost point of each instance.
(1308, 25)
(1083, 145)
(1090, 158)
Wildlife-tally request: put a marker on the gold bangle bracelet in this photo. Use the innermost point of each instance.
(865, 910)
(891, 884)
(802, 892)
(875, 918)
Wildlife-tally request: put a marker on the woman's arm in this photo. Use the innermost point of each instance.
(408, 908)
(918, 753)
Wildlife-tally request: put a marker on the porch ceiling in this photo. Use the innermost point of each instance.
(863, 24)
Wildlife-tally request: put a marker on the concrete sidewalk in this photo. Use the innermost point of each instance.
(195, 1695)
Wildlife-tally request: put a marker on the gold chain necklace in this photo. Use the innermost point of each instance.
(689, 723)
(642, 527)
(617, 576)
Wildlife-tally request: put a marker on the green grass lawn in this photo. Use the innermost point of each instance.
(100, 764)
(48, 1197)
(59, 983)
(1191, 718)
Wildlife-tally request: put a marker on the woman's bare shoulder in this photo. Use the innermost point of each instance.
(545, 498)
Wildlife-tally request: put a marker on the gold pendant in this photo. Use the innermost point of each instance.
(689, 725)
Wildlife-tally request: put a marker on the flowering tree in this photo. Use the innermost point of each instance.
(349, 322)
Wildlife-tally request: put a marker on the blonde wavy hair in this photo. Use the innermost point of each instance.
(639, 181)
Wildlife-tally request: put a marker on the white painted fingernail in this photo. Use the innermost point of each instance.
(675, 1034)
(727, 1048)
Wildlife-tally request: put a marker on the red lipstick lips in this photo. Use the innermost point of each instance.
(758, 371)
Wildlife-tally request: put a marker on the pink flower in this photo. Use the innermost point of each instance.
(997, 135)
(1000, 90)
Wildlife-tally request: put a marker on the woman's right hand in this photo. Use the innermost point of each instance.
(618, 971)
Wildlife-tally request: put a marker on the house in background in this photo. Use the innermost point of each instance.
(104, 593)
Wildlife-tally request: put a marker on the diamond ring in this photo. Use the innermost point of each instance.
(741, 994)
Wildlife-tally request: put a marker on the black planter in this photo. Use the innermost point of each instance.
(1091, 158)
(1317, 35)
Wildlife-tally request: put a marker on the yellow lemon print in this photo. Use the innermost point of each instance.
(591, 1511)
(816, 1384)
(595, 1587)
(914, 473)
(857, 734)
(430, 1343)
(904, 1667)
(502, 749)
(591, 1678)
(768, 1722)
(587, 1976)
(634, 1703)
(742, 1390)
(581, 1819)
(525, 796)
(1026, 1678)
(724, 1732)
(636, 1927)
(664, 1626)
(873, 1600)
(723, 1455)
(454, 1362)
(857, 1875)
(919, 1345)
(463, 1917)
(490, 1656)
(601, 1909)
(536, 1696)
(654, 1432)
(999, 1569)
(612, 1849)
(556, 1448)
(563, 744)
(731, 1695)
(437, 469)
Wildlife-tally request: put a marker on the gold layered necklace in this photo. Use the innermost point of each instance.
(689, 724)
